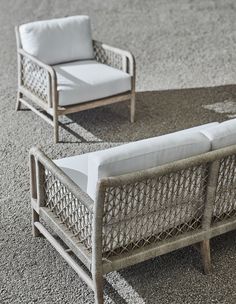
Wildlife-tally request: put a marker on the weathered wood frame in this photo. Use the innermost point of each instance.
(52, 106)
(94, 261)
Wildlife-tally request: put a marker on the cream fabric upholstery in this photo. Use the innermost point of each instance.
(222, 135)
(87, 80)
(86, 169)
(58, 40)
(76, 167)
(143, 154)
(198, 128)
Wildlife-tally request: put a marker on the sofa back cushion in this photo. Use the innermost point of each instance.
(76, 167)
(58, 40)
(221, 135)
(198, 128)
(143, 154)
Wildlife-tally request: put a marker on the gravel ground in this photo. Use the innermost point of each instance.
(185, 53)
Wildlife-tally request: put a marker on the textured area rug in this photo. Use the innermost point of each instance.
(185, 53)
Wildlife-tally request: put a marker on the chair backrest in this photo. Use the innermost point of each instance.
(58, 40)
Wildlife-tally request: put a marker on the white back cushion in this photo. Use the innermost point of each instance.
(58, 40)
(198, 128)
(143, 154)
(76, 167)
(221, 135)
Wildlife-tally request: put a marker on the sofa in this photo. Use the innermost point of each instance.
(120, 206)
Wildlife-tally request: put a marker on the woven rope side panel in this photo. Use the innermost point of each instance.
(69, 209)
(35, 79)
(138, 214)
(225, 202)
(107, 56)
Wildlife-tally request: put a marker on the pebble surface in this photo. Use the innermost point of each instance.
(185, 55)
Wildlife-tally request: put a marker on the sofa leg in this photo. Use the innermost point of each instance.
(35, 218)
(98, 289)
(56, 131)
(206, 256)
(18, 103)
(132, 108)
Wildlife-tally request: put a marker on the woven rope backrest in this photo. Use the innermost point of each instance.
(69, 209)
(225, 198)
(153, 209)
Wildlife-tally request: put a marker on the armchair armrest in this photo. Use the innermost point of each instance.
(115, 57)
(37, 77)
(41, 64)
(51, 188)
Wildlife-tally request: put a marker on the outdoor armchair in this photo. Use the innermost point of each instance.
(62, 70)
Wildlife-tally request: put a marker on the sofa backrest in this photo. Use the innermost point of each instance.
(144, 154)
(58, 40)
(138, 208)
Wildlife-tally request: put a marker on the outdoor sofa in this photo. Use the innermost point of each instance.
(62, 70)
(121, 206)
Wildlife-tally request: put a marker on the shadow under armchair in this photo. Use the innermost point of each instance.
(157, 113)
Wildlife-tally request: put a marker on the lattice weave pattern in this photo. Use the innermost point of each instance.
(108, 57)
(225, 199)
(153, 210)
(35, 79)
(71, 211)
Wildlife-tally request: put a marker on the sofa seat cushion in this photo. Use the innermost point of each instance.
(221, 135)
(76, 167)
(58, 40)
(87, 80)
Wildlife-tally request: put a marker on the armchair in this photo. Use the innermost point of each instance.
(62, 70)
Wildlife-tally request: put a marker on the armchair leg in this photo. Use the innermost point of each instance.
(35, 218)
(206, 256)
(98, 289)
(18, 103)
(56, 131)
(132, 107)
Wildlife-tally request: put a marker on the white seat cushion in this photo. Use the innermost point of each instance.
(221, 135)
(82, 81)
(58, 40)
